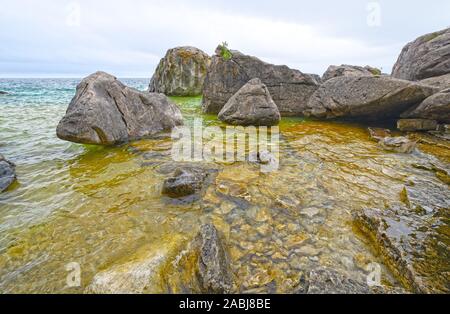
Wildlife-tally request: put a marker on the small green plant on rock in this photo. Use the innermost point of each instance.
(225, 53)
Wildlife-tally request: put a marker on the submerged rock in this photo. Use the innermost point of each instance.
(416, 125)
(290, 89)
(181, 72)
(348, 70)
(425, 57)
(184, 182)
(414, 245)
(251, 105)
(366, 97)
(435, 107)
(7, 173)
(3, 93)
(214, 267)
(398, 144)
(105, 111)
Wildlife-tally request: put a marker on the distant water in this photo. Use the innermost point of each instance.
(98, 205)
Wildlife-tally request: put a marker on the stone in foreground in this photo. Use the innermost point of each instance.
(290, 89)
(181, 72)
(251, 105)
(7, 173)
(398, 144)
(104, 111)
(425, 57)
(435, 107)
(348, 70)
(416, 125)
(413, 245)
(365, 98)
(215, 275)
(442, 82)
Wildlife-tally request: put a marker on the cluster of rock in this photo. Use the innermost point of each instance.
(181, 72)
(7, 173)
(105, 111)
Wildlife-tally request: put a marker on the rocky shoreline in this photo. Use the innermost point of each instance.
(412, 237)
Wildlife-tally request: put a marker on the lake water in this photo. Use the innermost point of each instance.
(97, 206)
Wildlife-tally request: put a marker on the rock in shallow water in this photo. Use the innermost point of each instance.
(251, 105)
(416, 125)
(184, 182)
(425, 57)
(414, 246)
(367, 97)
(398, 144)
(290, 89)
(181, 72)
(105, 111)
(7, 173)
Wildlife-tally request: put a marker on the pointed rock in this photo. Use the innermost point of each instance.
(251, 105)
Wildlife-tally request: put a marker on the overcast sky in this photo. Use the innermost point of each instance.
(127, 38)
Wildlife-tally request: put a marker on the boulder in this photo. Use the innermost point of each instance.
(435, 107)
(413, 245)
(290, 89)
(105, 111)
(398, 144)
(442, 82)
(215, 275)
(427, 56)
(7, 173)
(416, 125)
(348, 70)
(181, 72)
(365, 97)
(251, 105)
(184, 182)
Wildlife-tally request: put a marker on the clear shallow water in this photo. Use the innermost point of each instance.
(98, 206)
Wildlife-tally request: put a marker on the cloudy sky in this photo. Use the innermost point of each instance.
(127, 38)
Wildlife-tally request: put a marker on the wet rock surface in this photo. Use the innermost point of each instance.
(290, 89)
(104, 111)
(251, 105)
(181, 72)
(425, 57)
(214, 265)
(369, 98)
(414, 244)
(348, 70)
(7, 173)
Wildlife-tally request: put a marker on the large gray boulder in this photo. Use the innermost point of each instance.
(251, 105)
(365, 97)
(427, 56)
(349, 70)
(435, 107)
(290, 89)
(181, 72)
(7, 173)
(105, 111)
(441, 82)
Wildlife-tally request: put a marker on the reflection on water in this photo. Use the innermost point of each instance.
(97, 206)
